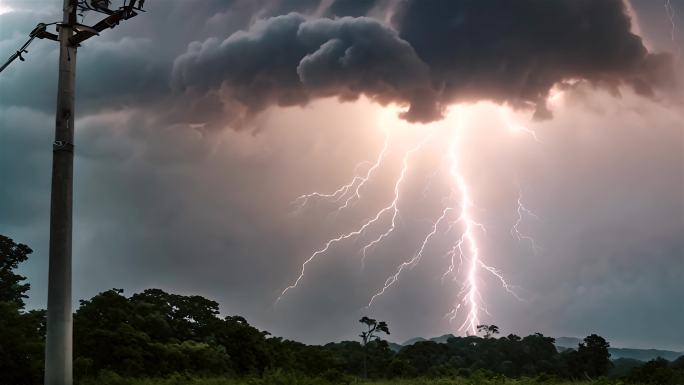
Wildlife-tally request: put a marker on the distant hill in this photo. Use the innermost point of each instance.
(643, 354)
(440, 340)
(413, 341)
(568, 342)
(395, 347)
(563, 343)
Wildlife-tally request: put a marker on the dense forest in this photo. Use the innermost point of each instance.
(155, 334)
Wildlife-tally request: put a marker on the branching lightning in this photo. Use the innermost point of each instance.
(515, 230)
(411, 262)
(672, 17)
(455, 223)
(392, 207)
(351, 191)
(671, 13)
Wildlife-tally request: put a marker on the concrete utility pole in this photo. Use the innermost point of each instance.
(59, 340)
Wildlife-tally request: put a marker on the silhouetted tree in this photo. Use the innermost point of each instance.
(21, 333)
(488, 330)
(370, 334)
(595, 356)
(12, 288)
(245, 344)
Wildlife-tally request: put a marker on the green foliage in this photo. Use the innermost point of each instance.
(594, 353)
(22, 341)
(623, 366)
(151, 333)
(12, 288)
(658, 371)
(282, 378)
(21, 344)
(511, 356)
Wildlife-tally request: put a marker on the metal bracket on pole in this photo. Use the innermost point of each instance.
(59, 145)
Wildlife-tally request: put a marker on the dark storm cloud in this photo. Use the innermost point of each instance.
(129, 65)
(287, 60)
(510, 52)
(515, 51)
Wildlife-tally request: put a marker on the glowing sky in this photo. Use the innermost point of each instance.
(192, 196)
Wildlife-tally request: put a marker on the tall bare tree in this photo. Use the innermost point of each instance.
(369, 335)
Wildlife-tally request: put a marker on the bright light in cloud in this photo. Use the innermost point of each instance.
(4, 8)
(516, 126)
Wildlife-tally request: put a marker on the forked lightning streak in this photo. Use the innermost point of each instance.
(456, 213)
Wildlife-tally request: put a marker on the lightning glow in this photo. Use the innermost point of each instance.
(455, 224)
(5, 8)
(517, 127)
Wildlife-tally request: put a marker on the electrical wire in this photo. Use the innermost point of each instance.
(36, 33)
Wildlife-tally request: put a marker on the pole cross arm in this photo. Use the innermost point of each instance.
(43, 34)
(84, 32)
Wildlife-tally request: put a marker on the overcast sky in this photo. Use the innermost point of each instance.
(199, 123)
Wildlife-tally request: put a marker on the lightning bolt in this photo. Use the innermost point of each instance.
(672, 19)
(392, 207)
(470, 293)
(471, 290)
(456, 214)
(369, 174)
(411, 262)
(671, 15)
(465, 246)
(515, 230)
(351, 191)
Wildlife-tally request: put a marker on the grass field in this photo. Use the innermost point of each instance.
(294, 380)
(456, 381)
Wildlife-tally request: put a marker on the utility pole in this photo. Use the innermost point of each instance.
(59, 339)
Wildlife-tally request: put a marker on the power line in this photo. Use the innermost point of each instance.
(38, 32)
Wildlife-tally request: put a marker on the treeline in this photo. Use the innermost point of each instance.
(157, 334)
